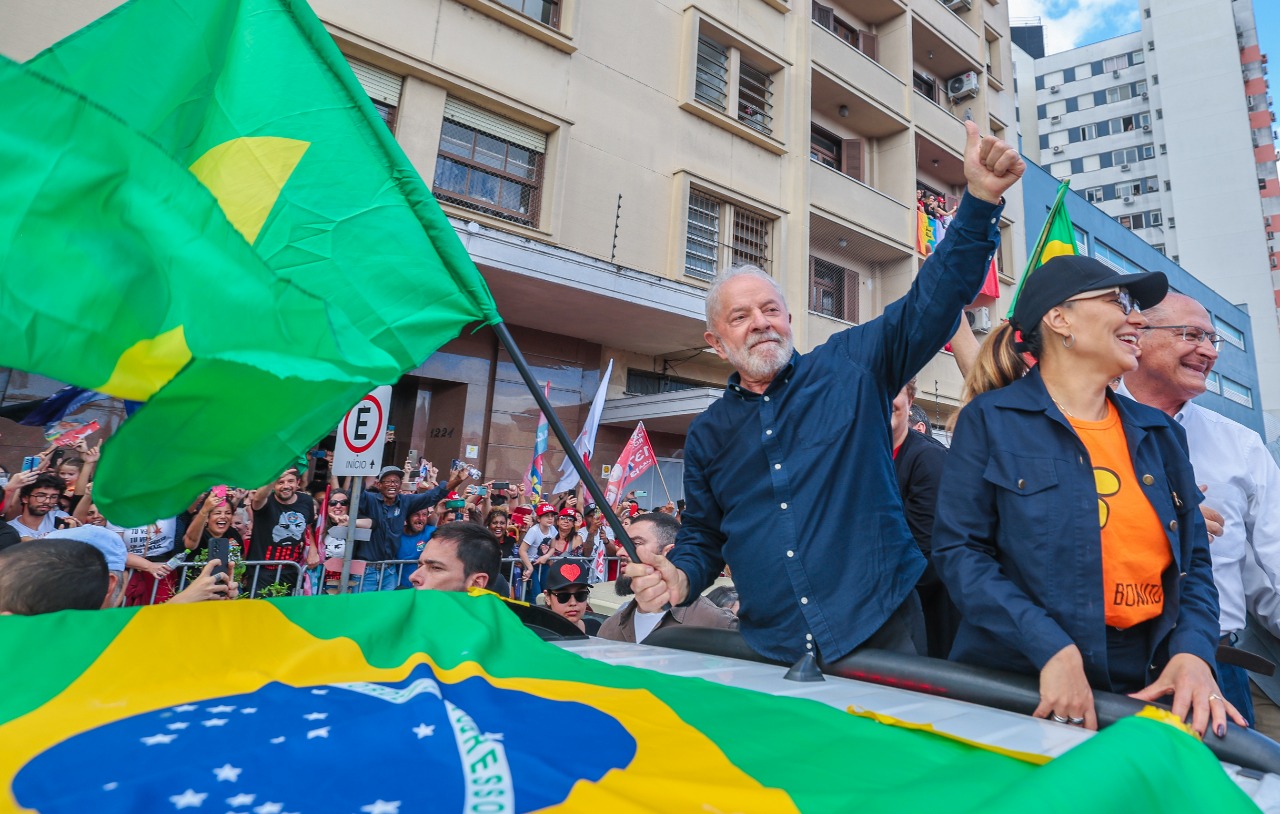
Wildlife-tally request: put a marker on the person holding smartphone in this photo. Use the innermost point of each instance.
(40, 515)
(535, 548)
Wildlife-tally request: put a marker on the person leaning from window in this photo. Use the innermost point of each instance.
(1067, 529)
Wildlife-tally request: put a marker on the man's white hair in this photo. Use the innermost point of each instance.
(714, 293)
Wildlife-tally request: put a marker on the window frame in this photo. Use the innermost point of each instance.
(731, 246)
(464, 200)
(841, 283)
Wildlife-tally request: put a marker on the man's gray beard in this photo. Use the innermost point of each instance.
(762, 365)
(623, 586)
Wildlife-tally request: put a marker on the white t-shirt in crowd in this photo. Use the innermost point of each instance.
(151, 540)
(45, 528)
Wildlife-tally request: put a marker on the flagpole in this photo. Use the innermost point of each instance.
(658, 466)
(553, 420)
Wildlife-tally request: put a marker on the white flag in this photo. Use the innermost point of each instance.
(586, 441)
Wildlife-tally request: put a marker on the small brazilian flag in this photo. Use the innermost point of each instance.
(413, 701)
(253, 102)
(1058, 237)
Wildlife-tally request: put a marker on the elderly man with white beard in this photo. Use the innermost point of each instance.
(789, 477)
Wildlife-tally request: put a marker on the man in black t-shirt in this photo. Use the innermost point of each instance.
(283, 529)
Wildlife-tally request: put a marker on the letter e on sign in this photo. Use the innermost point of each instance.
(359, 444)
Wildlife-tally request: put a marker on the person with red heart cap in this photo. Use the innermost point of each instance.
(567, 592)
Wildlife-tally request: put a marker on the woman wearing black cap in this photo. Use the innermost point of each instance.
(1067, 530)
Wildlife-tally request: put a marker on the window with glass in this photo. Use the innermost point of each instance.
(824, 148)
(1119, 94)
(1082, 240)
(1229, 332)
(1213, 382)
(833, 290)
(755, 98)
(1088, 131)
(546, 12)
(1115, 63)
(715, 79)
(1137, 57)
(495, 170)
(925, 86)
(858, 38)
(1105, 254)
(1094, 195)
(1237, 392)
(720, 233)
(1155, 218)
(711, 84)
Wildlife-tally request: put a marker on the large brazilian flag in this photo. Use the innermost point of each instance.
(344, 254)
(1057, 238)
(416, 701)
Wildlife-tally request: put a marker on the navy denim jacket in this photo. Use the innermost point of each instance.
(1017, 543)
(795, 488)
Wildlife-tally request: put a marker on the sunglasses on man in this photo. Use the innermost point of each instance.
(564, 596)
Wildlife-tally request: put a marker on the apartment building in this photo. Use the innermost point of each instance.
(1168, 131)
(602, 159)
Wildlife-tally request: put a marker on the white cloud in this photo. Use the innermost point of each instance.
(1072, 23)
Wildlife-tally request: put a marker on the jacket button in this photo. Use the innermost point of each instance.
(1148, 480)
(1183, 575)
(1173, 525)
(1022, 484)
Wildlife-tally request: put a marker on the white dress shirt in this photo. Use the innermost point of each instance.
(1244, 487)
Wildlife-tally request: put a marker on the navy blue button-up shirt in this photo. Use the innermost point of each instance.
(795, 488)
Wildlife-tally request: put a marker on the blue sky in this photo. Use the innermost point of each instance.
(1071, 23)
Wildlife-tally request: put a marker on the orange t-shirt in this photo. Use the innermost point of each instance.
(1135, 551)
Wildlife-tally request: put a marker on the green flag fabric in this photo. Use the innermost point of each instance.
(120, 271)
(417, 700)
(1058, 237)
(255, 100)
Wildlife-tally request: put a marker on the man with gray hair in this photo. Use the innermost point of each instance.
(799, 436)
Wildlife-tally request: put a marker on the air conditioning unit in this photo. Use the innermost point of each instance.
(1146, 128)
(958, 5)
(963, 86)
(979, 320)
(1055, 88)
(1124, 168)
(1128, 199)
(1055, 120)
(1057, 148)
(1115, 74)
(1171, 223)
(1145, 94)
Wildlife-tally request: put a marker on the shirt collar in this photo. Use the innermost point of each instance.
(780, 380)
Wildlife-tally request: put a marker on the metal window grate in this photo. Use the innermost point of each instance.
(703, 241)
(755, 98)
(750, 238)
(712, 82)
(480, 171)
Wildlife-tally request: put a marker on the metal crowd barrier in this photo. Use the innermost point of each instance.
(258, 575)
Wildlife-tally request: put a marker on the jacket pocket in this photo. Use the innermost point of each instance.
(1021, 475)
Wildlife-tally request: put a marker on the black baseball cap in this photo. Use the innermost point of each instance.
(390, 470)
(566, 571)
(1067, 275)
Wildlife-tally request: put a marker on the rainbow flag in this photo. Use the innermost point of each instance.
(539, 453)
(411, 701)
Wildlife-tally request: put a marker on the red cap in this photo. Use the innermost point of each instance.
(568, 512)
(634, 510)
(544, 508)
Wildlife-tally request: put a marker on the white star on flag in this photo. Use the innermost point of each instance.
(423, 730)
(319, 692)
(382, 807)
(269, 808)
(492, 736)
(278, 740)
(188, 799)
(248, 710)
(154, 739)
(185, 708)
(220, 709)
(322, 732)
(240, 800)
(111, 787)
(178, 725)
(227, 772)
(316, 716)
(214, 722)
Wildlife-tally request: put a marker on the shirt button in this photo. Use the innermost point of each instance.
(1022, 484)
(777, 466)
(1148, 480)
(1183, 575)
(804, 600)
(808, 646)
(784, 505)
(791, 553)
(808, 637)
(766, 398)
(1080, 459)
(768, 432)
(1173, 525)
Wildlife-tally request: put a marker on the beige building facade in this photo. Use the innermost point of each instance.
(602, 159)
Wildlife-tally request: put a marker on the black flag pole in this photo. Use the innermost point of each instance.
(517, 358)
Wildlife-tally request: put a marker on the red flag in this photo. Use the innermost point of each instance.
(990, 288)
(636, 459)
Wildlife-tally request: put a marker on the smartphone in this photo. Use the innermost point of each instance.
(475, 474)
(61, 523)
(220, 550)
(641, 494)
(482, 491)
(30, 462)
(318, 454)
(455, 504)
(391, 428)
(501, 485)
(220, 492)
(457, 466)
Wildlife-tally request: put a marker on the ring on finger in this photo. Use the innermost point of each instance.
(1076, 721)
(1215, 697)
(1060, 719)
